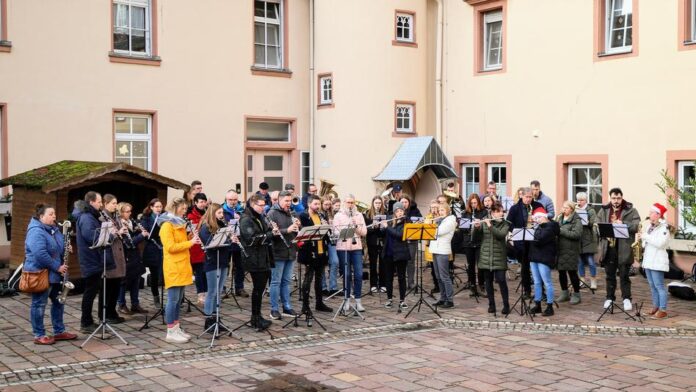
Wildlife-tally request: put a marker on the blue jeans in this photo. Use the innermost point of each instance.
(281, 275)
(38, 308)
(174, 296)
(589, 259)
(656, 281)
(333, 271)
(210, 297)
(442, 271)
(355, 266)
(542, 274)
(132, 286)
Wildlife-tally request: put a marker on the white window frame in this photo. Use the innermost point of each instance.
(323, 90)
(490, 17)
(147, 4)
(304, 182)
(572, 184)
(609, 7)
(476, 186)
(682, 183)
(411, 30)
(501, 187)
(399, 115)
(266, 21)
(130, 137)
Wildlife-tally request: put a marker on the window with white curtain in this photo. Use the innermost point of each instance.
(268, 49)
(470, 179)
(131, 27)
(404, 118)
(492, 40)
(619, 26)
(404, 27)
(133, 139)
(497, 172)
(588, 179)
(686, 172)
(326, 88)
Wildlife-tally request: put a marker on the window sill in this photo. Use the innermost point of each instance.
(279, 73)
(490, 71)
(616, 55)
(125, 59)
(403, 134)
(326, 105)
(608, 54)
(5, 46)
(404, 43)
(689, 43)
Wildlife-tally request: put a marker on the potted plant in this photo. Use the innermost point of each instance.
(682, 199)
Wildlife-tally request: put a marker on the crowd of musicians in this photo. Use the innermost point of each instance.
(172, 243)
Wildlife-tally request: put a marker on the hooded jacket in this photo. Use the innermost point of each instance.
(394, 245)
(197, 254)
(493, 254)
(283, 219)
(91, 260)
(588, 242)
(252, 226)
(176, 265)
(44, 249)
(655, 243)
(631, 218)
(569, 242)
(543, 249)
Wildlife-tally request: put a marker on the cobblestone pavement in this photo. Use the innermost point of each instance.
(468, 349)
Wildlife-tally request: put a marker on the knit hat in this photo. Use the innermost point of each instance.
(398, 206)
(539, 212)
(659, 208)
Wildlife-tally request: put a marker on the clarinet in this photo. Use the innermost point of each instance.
(125, 238)
(66, 285)
(275, 228)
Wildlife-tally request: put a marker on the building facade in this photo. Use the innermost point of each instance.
(578, 94)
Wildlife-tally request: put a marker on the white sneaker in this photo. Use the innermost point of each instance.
(628, 306)
(373, 289)
(173, 336)
(593, 283)
(181, 332)
(403, 305)
(388, 304)
(607, 304)
(383, 289)
(346, 306)
(358, 305)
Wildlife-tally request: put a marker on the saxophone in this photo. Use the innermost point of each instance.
(637, 245)
(66, 284)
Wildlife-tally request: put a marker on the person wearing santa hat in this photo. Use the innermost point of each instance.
(542, 256)
(654, 239)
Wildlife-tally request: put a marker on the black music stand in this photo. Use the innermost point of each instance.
(419, 232)
(608, 231)
(344, 235)
(522, 234)
(103, 241)
(160, 311)
(314, 234)
(234, 227)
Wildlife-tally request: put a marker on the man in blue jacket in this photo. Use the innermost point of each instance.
(233, 209)
(541, 198)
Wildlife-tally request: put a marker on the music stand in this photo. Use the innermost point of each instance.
(314, 234)
(234, 230)
(160, 311)
(419, 232)
(522, 234)
(103, 241)
(344, 235)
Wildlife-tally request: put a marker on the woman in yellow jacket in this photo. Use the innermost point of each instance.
(176, 265)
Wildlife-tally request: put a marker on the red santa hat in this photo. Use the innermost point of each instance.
(659, 208)
(539, 212)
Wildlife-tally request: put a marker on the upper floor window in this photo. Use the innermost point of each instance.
(326, 90)
(133, 139)
(619, 26)
(492, 40)
(405, 115)
(132, 23)
(268, 38)
(404, 27)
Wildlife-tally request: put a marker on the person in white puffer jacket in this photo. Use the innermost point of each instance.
(654, 238)
(441, 248)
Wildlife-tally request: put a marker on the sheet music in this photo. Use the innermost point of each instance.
(620, 230)
(522, 234)
(465, 223)
(584, 217)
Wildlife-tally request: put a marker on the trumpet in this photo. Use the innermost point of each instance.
(295, 200)
(66, 284)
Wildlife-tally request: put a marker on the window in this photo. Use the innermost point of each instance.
(305, 171)
(686, 172)
(492, 40)
(325, 90)
(470, 180)
(133, 139)
(588, 179)
(497, 172)
(405, 116)
(258, 131)
(619, 26)
(404, 27)
(267, 34)
(132, 27)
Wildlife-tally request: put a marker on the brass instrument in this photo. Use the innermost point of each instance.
(452, 197)
(637, 245)
(66, 285)
(362, 207)
(327, 189)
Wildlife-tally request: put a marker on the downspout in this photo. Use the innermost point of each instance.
(312, 89)
(438, 73)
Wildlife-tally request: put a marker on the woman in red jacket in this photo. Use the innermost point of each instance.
(200, 203)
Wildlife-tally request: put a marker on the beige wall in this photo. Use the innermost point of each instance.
(60, 86)
(632, 109)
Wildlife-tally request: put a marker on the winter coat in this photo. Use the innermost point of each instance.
(517, 216)
(176, 265)
(283, 219)
(412, 212)
(118, 251)
(547, 203)
(493, 242)
(197, 254)
(655, 246)
(211, 256)
(233, 213)
(442, 245)
(342, 221)
(469, 240)
(44, 246)
(394, 246)
(588, 242)
(631, 218)
(543, 249)
(569, 236)
(427, 255)
(374, 234)
(88, 225)
(308, 252)
(134, 264)
(152, 252)
(259, 257)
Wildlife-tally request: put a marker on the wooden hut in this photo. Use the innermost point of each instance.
(63, 183)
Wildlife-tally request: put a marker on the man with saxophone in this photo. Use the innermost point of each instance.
(615, 253)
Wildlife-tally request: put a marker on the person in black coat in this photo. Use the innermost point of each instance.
(542, 256)
(256, 235)
(152, 251)
(520, 216)
(411, 211)
(134, 264)
(396, 255)
(314, 255)
(374, 240)
(472, 245)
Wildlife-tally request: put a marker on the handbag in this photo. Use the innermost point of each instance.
(34, 282)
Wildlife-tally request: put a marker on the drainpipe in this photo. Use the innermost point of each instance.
(312, 89)
(438, 73)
